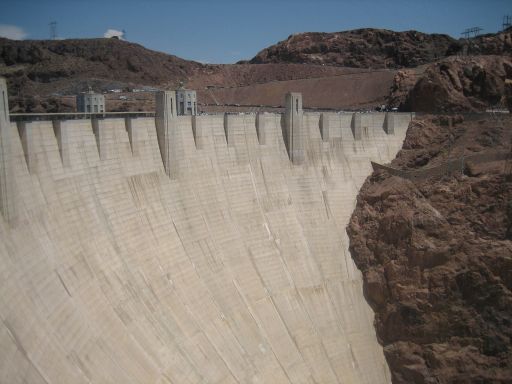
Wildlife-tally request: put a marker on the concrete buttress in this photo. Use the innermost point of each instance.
(7, 205)
(324, 126)
(166, 127)
(389, 123)
(293, 132)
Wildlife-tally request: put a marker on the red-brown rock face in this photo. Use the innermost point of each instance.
(436, 257)
(461, 84)
(361, 48)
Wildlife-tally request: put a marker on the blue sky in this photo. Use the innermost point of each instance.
(225, 31)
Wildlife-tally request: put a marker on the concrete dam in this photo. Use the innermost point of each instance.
(187, 249)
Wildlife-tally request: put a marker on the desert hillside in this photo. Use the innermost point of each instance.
(351, 70)
(42, 65)
(42, 74)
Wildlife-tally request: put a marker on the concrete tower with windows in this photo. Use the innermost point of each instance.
(186, 102)
(90, 102)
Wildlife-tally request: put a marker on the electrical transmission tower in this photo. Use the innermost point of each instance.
(471, 32)
(468, 34)
(53, 30)
(507, 22)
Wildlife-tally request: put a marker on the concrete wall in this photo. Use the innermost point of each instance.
(234, 270)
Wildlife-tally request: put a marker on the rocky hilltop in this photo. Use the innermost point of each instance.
(378, 48)
(40, 64)
(361, 48)
(436, 256)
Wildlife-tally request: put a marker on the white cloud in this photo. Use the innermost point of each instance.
(114, 33)
(12, 32)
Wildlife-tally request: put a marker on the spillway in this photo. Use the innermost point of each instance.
(224, 262)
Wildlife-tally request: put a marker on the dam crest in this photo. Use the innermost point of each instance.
(187, 249)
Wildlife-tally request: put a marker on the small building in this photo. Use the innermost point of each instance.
(186, 101)
(90, 102)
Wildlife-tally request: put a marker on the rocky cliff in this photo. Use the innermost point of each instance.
(436, 256)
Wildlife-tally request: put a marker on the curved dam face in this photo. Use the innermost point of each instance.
(230, 265)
